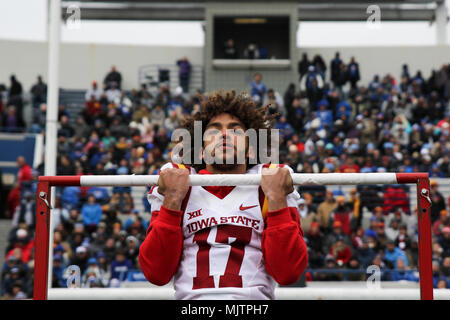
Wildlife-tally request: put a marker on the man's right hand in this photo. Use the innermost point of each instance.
(173, 184)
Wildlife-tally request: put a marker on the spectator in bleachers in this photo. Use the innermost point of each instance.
(132, 250)
(315, 242)
(120, 265)
(158, 116)
(93, 91)
(91, 213)
(13, 284)
(38, 93)
(303, 65)
(393, 229)
(275, 102)
(257, 88)
(251, 51)
(438, 225)
(24, 174)
(438, 201)
(335, 66)
(23, 243)
(392, 253)
(92, 277)
(403, 240)
(353, 73)
(312, 83)
(342, 213)
(330, 263)
(57, 272)
(113, 77)
(365, 254)
(334, 235)
(444, 240)
(113, 93)
(319, 65)
(340, 251)
(141, 113)
(15, 99)
(25, 212)
(80, 258)
(381, 237)
(230, 51)
(184, 73)
(65, 128)
(402, 272)
(324, 211)
(445, 267)
(341, 80)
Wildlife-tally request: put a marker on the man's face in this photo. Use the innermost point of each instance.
(20, 161)
(329, 196)
(120, 257)
(74, 213)
(225, 140)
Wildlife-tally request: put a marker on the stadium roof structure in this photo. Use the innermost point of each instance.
(308, 10)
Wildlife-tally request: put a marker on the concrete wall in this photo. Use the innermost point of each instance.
(82, 63)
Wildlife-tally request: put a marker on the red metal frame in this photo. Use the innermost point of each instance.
(424, 230)
(43, 225)
(42, 238)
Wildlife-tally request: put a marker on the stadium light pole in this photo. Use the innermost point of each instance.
(51, 120)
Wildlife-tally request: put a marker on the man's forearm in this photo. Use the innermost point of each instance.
(276, 202)
(172, 203)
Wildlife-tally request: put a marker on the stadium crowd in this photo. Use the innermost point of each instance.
(329, 122)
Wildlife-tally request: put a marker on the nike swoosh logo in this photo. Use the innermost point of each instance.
(242, 208)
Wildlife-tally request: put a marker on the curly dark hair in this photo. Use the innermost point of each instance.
(240, 106)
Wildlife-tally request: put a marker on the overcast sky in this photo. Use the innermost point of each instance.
(26, 20)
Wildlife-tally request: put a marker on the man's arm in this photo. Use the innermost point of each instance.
(284, 249)
(160, 253)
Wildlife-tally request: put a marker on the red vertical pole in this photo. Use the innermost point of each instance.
(42, 237)
(424, 229)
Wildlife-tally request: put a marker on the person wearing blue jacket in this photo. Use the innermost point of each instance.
(402, 273)
(120, 266)
(91, 213)
(393, 253)
(365, 254)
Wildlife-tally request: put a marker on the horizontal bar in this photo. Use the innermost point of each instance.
(61, 180)
(245, 179)
(306, 293)
(411, 177)
(233, 179)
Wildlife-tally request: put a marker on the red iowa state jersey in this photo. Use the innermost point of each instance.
(222, 256)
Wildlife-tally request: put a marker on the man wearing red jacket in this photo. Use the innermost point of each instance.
(231, 242)
(25, 172)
